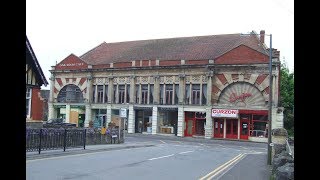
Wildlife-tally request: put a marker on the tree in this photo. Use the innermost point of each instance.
(287, 97)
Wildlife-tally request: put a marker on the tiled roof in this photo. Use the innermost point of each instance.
(34, 62)
(186, 48)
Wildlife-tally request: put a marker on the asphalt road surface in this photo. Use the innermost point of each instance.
(169, 158)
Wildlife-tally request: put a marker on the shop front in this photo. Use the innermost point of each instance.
(143, 121)
(167, 120)
(194, 123)
(226, 123)
(239, 124)
(71, 114)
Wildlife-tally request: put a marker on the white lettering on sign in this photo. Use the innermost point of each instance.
(71, 64)
(225, 113)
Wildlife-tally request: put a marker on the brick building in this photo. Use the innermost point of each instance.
(213, 86)
(34, 80)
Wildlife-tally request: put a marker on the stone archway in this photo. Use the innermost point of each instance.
(241, 94)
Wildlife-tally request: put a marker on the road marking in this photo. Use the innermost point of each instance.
(73, 155)
(185, 152)
(243, 147)
(64, 156)
(201, 144)
(222, 146)
(160, 157)
(162, 141)
(222, 167)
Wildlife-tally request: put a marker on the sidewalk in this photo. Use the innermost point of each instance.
(251, 167)
(80, 150)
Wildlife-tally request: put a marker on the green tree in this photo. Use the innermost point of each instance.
(287, 97)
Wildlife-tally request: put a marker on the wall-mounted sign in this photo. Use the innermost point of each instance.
(71, 64)
(234, 97)
(123, 113)
(230, 113)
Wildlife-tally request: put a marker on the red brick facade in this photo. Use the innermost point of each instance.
(36, 105)
(242, 55)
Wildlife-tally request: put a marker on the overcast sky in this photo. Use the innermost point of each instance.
(57, 28)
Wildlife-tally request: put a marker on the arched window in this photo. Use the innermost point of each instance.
(70, 94)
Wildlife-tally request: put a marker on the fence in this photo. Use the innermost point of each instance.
(63, 138)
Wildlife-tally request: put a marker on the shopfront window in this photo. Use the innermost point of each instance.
(100, 119)
(167, 121)
(257, 124)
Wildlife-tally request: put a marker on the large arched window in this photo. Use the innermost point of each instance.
(70, 94)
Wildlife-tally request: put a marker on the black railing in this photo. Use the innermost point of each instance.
(63, 138)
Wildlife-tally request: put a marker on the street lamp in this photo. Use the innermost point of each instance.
(270, 101)
(270, 98)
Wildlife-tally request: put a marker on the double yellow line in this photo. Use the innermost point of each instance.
(222, 167)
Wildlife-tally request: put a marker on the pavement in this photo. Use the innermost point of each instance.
(251, 166)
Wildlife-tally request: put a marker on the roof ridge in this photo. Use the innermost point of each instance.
(181, 37)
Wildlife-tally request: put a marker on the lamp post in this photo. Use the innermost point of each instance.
(270, 102)
(270, 99)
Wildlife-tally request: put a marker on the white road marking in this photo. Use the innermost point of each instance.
(243, 147)
(160, 157)
(185, 152)
(162, 141)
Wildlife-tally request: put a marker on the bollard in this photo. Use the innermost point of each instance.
(65, 140)
(40, 135)
(85, 138)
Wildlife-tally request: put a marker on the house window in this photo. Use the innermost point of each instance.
(151, 93)
(169, 94)
(144, 94)
(137, 93)
(28, 102)
(161, 94)
(100, 93)
(196, 94)
(121, 94)
(195, 99)
(128, 93)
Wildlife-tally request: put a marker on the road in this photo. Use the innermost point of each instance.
(169, 158)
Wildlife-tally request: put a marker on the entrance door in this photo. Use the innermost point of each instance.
(74, 117)
(232, 129)
(189, 127)
(218, 128)
(244, 129)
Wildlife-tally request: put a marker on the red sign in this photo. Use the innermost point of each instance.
(234, 97)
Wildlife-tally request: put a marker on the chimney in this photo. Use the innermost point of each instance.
(262, 33)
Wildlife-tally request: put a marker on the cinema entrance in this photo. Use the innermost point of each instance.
(226, 123)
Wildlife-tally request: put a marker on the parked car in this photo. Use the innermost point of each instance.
(57, 123)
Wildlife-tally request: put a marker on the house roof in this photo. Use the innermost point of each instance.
(34, 62)
(186, 48)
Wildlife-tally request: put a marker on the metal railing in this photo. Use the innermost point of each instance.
(63, 138)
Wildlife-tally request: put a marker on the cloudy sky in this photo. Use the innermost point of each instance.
(57, 28)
